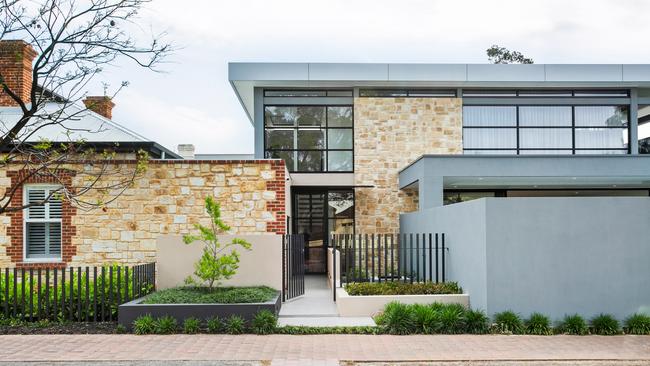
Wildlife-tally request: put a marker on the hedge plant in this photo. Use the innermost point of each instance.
(402, 288)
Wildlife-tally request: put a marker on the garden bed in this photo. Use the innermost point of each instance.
(46, 327)
(183, 303)
(370, 305)
(402, 288)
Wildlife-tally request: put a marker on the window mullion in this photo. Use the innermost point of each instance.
(573, 129)
(326, 154)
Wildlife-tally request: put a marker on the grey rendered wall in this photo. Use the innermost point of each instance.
(583, 255)
(557, 255)
(464, 228)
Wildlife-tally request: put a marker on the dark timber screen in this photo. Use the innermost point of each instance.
(74, 293)
(293, 263)
(389, 257)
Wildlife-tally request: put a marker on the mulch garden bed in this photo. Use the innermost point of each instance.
(61, 328)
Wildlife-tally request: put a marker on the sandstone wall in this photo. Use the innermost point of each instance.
(389, 133)
(167, 199)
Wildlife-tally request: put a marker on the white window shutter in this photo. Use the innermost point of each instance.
(43, 223)
(35, 196)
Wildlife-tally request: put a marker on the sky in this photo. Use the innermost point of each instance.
(191, 101)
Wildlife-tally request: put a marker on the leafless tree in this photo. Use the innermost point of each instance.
(74, 41)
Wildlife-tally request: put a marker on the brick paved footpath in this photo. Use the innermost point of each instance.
(320, 349)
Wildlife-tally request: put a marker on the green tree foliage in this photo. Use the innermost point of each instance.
(501, 55)
(216, 263)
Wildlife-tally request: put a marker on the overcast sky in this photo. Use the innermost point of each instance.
(192, 101)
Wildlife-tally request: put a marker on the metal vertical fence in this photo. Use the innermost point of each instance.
(390, 257)
(293, 264)
(88, 293)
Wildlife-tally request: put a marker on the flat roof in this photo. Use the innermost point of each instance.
(245, 76)
(538, 171)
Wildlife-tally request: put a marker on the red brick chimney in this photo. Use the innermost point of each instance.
(16, 58)
(100, 105)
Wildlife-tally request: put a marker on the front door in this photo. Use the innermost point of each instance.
(317, 213)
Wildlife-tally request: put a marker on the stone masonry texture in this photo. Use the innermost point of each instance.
(390, 133)
(167, 199)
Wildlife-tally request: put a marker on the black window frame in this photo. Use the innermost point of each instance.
(573, 127)
(325, 151)
(304, 93)
(407, 93)
(545, 93)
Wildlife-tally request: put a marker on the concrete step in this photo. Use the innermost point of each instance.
(325, 321)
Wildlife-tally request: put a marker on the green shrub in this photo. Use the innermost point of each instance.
(264, 322)
(204, 295)
(538, 324)
(508, 322)
(120, 329)
(398, 318)
(214, 325)
(476, 322)
(235, 325)
(638, 324)
(144, 325)
(573, 324)
(191, 325)
(166, 325)
(427, 318)
(402, 288)
(452, 319)
(76, 291)
(303, 330)
(605, 324)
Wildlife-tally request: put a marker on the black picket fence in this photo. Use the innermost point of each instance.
(390, 257)
(74, 293)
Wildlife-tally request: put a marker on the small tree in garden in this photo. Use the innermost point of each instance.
(215, 264)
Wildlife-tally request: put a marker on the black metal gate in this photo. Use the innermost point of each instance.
(293, 264)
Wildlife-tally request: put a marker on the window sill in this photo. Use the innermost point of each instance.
(42, 260)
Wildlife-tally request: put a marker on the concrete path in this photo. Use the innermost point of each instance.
(317, 300)
(321, 349)
(316, 308)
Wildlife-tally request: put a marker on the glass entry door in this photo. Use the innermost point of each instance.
(317, 213)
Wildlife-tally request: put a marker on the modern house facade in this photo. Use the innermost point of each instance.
(538, 175)
(560, 150)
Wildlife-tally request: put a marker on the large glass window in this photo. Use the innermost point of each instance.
(310, 138)
(545, 129)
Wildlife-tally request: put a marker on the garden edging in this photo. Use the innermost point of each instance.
(370, 305)
(130, 311)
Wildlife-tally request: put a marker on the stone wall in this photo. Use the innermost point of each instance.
(167, 199)
(390, 133)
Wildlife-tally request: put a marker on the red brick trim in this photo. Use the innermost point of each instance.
(15, 229)
(278, 206)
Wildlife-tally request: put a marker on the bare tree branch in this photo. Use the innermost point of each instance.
(74, 41)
